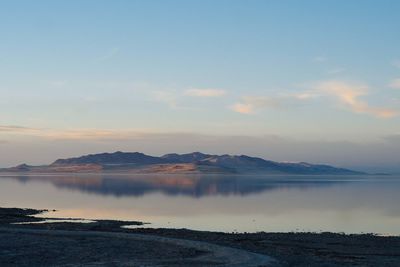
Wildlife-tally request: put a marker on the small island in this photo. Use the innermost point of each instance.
(196, 162)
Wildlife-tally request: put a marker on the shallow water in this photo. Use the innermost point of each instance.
(351, 204)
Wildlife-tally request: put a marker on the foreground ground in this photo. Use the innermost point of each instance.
(105, 243)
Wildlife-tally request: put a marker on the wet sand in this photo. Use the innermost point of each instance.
(105, 243)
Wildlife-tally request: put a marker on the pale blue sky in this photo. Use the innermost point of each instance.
(109, 74)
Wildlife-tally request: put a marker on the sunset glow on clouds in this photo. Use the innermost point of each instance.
(351, 97)
(348, 95)
(205, 92)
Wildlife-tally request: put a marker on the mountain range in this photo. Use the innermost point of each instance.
(196, 162)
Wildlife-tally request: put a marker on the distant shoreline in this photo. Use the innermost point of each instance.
(8, 173)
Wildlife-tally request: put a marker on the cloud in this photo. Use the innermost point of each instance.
(16, 129)
(304, 95)
(395, 84)
(57, 83)
(175, 99)
(320, 59)
(85, 134)
(396, 63)
(336, 71)
(349, 95)
(54, 133)
(76, 134)
(205, 92)
(244, 108)
(110, 54)
(90, 135)
(251, 104)
(167, 97)
(95, 134)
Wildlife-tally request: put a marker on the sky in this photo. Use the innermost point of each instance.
(315, 81)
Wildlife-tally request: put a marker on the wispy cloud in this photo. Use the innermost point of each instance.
(103, 135)
(336, 71)
(76, 134)
(57, 83)
(205, 92)
(244, 108)
(320, 59)
(350, 96)
(110, 54)
(14, 128)
(91, 134)
(396, 63)
(168, 97)
(395, 84)
(177, 99)
(252, 104)
(305, 95)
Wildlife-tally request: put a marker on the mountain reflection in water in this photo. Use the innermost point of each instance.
(190, 185)
(251, 203)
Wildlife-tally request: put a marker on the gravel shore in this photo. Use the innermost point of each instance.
(105, 243)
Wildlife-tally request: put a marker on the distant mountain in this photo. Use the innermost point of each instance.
(186, 158)
(113, 158)
(243, 164)
(195, 162)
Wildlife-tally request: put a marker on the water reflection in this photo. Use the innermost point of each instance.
(220, 203)
(193, 185)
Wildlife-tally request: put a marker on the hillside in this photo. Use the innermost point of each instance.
(196, 162)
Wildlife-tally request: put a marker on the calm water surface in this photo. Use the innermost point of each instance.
(351, 204)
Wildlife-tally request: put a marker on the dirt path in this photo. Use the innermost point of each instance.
(88, 248)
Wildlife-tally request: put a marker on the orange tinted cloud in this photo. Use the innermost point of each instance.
(205, 92)
(350, 96)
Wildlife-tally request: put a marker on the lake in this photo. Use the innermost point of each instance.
(229, 203)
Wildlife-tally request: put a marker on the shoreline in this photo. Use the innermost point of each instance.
(281, 249)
